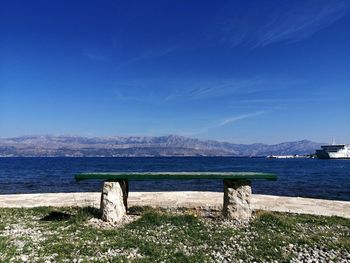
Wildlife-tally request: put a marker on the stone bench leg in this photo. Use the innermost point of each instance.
(114, 200)
(237, 198)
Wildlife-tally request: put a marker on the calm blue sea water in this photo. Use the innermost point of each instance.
(328, 179)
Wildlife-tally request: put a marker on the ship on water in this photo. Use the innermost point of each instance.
(334, 151)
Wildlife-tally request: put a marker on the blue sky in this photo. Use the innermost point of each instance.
(237, 71)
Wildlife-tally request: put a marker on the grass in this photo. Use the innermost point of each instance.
(65, 235)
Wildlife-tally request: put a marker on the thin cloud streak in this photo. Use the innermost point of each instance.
(224, 122)
(300, 23)
(185, 91)
(216, 125)
(211, 89)
(239, 117)
(286, 100)
(292, 22)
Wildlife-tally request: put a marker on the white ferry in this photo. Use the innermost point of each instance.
(334, 151)
(286, 156)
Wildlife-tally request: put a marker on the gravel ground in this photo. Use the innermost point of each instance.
(179, 236)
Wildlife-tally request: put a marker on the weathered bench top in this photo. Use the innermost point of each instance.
(175, 175)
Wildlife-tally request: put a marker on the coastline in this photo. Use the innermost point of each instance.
(189, 199)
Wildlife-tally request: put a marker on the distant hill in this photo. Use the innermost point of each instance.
(172, 145)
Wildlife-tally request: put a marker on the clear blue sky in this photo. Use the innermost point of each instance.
(238, 71)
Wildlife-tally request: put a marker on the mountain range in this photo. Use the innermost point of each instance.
(117, 146)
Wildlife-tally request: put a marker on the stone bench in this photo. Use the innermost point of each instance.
(237, 189)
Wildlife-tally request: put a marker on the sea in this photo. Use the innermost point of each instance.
(314, 178)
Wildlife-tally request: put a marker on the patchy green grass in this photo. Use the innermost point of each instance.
(67, 235)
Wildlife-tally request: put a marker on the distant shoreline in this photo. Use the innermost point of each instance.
(155, 156)
(144, 146)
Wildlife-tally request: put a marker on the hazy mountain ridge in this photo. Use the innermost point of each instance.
(171, 145)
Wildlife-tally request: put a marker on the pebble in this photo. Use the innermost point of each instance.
(24, 258)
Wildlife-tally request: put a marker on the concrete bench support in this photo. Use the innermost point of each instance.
(237, 199)
(114, 200)
(237, 190)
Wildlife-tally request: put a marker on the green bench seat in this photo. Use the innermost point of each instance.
(176, 176)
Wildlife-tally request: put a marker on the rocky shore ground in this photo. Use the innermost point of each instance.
(70, 229)
(169, 235)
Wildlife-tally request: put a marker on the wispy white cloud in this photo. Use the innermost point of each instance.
(164, 90)
(207, 89)
(220, 123)
(239, 23)
(288, 103)
(286, 100)
(239, 117)
(302, 21)
(290, 21)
